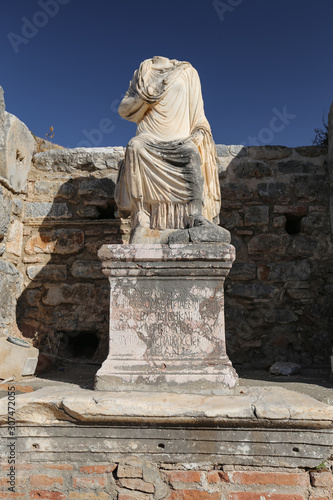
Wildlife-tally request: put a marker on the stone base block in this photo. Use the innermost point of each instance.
(167, 318)
(17, 361)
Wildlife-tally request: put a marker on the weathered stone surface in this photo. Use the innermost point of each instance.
(167, 333)
(297, 167)
(304, 245)
(252, 291)
(55, 188)
(282, 316)
(79, 293)
(238, 150)
(85, 159)
(88, 213)
(286, 271)
(47, 272)
(253, 169)
(17, 361)
(284, 368)
(231, 219)
(15, 238)
(272, 192)
(311, 151)
(235, 192)
(268, 243)
(17, 206)
(87, 269)
(256, 216)
(16, 149)
(222, 150)
(268, 152)
(59, 241)
(243, 271)
(11, 282)
(35, 210)
(178, 237)
(102, 189)
(5, 211)
(207, 234)
(251, 404)
(317, 190)
(313, 222)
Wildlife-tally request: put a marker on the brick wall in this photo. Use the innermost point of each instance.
(136, 480)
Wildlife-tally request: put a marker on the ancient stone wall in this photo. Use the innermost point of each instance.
(58, 210)
(275, 202)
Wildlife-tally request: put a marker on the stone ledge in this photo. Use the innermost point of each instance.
(246, 406)
(160, 252)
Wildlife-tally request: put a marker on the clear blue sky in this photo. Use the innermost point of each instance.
(255, 59)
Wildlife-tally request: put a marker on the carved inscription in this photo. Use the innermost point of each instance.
(171, 323)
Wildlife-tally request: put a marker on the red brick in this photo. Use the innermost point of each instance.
(89, 482)
(47, 495)
(216, 476)
(322, 479)
(183, 476)
(75, 495)
(59, 466)
(136, 484)
(98, 469)
(320, 498)
(246, 495)
(193, 495)
(277, 478)
(45, 481)
(134, 496)
(10, 495)
(125, 470)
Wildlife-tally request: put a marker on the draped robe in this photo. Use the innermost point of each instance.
(164, 171)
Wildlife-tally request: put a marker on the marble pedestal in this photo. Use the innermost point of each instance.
(167, 318)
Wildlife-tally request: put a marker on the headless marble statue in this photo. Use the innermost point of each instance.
(168, 183)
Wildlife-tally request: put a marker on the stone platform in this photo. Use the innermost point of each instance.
(167, 318)
(266, 426)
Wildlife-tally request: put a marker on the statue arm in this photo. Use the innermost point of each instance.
(132, 107)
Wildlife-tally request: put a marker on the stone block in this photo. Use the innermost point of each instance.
(5, 211)
(282, 316)
(47, 272)
(74, 160)
(268, 244)
(253, 170)
(235, 192)
(317, 190)
(299, 270)
(284, 368)
(16, 360)
(87, 269)
(311, 151)
(274, 192)
(222, 150)
(297, 167)
(15, 238)
(17, 146)
(243, 271)
(36, 210)
(268, 152)
(59, 241)
(55, 188)
(167, 318)
(79, 293)
(88, 213)
(252, 291)
(11, 282)
(256, 216)
(17, 206)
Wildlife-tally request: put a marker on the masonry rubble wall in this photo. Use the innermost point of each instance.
(275, 202)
